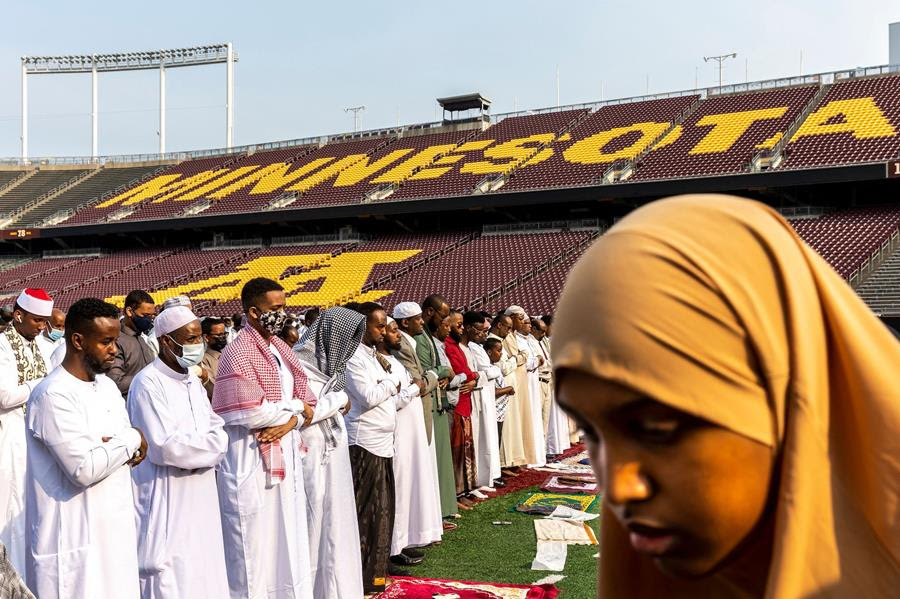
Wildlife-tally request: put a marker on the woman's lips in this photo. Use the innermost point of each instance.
(650, 540)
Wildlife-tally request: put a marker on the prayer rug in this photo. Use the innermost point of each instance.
(432, 588)
(579, 458)
(570, 483)
(564, 531)
(544, 503)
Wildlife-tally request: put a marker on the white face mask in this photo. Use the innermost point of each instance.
(191, 354)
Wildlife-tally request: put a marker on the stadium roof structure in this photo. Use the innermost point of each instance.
(465, 102)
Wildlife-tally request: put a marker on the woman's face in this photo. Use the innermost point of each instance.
(689, 492)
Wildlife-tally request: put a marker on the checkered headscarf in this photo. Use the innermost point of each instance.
(331, 341)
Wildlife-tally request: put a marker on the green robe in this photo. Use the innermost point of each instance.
(427, 353)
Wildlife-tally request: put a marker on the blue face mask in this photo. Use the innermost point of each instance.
(56, 334)
(142, 324)
(191, 354)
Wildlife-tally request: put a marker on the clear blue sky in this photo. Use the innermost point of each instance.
(301, 63)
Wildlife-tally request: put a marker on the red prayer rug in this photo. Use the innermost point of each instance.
(432, 588)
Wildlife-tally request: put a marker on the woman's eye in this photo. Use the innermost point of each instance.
(658, 431)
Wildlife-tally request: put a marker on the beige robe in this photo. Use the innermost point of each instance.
(517, 445)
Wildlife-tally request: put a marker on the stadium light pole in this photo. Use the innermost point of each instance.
(357, 117)
(131, 61)
(24, 110)
(720, 59)
(93, 108)
(229, 96)
(162, 108)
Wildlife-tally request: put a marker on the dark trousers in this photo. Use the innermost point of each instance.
(373, 482)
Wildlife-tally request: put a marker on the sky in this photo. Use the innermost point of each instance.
(302, 63)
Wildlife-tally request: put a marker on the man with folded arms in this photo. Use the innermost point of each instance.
(80, 508)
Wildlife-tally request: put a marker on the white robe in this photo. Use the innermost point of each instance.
(175, 488)
(330, 503)
(487, 457)
(417, 508)
(264, 527)
(82, 539)
(12, 454)
(558, 433)
(536, 399)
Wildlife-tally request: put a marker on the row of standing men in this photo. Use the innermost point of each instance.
(399, 420)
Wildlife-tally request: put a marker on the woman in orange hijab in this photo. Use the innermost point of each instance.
(741, 408)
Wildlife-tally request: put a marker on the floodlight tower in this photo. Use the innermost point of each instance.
(132, 61)
(357, 117)
(720, 59)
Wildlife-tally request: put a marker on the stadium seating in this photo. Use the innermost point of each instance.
(539, 294)
(169, 182)
(858, 120)
(725, 133)
(483, 264)
(35, 186)
(270, 171)
(7, 177)
(105, 179)
(584, 163)
(488, 153)
(848, 237)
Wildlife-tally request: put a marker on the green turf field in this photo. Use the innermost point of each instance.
(481, 551)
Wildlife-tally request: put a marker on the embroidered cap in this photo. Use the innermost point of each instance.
(35, 301)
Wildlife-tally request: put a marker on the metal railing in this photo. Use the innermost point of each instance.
(875, 259)
(801, 211)
(226, 244)
(73, 253)
(541, 226)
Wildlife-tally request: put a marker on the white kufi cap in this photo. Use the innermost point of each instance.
(172, 319)
(406, 310)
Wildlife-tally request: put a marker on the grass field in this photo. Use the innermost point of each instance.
(481, 551)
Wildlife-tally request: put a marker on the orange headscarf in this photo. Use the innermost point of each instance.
(713, 305)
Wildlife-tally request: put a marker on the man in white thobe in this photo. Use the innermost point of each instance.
(417, 513)
(22, 367)
(487, 443)
(82, 540)
(556, 423)
(52, 337)
(375, 396)
(180, 551)
(262, 395)
(522, 334)
(330, 504)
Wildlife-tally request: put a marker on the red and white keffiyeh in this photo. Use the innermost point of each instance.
(248, 375)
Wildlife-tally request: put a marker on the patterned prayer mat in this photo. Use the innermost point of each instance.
(570, 483)
(432, 588)
(577, 458)
(545, 503)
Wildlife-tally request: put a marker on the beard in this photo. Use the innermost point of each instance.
(455, 336)
(96, 365)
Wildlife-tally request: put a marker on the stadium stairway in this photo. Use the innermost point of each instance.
(881, 291)
(24, 214)
(772, 158)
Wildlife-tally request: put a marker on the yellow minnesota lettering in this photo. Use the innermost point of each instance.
(341, 277)
(860, 117)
